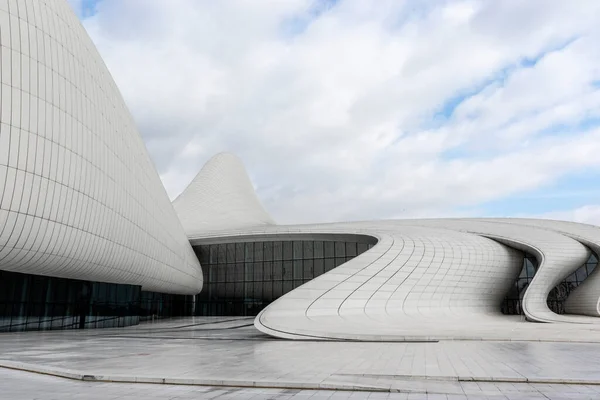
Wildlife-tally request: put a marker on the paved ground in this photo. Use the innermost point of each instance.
(229, 351)
(18, 385)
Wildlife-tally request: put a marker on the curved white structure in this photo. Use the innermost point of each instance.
(423, 277)
(79, 195)
(220, 197)
(80, 199)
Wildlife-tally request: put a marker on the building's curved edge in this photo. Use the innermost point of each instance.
(585, 299)
(80, 198)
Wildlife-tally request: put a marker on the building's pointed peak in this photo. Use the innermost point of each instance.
(221, 196)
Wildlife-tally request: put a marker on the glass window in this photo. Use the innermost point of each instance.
(329, 264)
(319, 267)
(222, 254)
(329, 249)
(213, 254)
(308, 267)
(308, 249)
(249, 272)
(277, 289)
(230, 252)
(288, 250)
(298, 247)
(268, 251)
(340, 249)
(258, 252)
(221, 270)
(269, 273)
(318, 249)
(362, 247)
(288, 271)
(288, 286)
(298, 270)
(239, 252)
(277, 251)
(258, 271)
(350, 249)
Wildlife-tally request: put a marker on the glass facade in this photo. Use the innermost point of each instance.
(243, 278)
(558, 295)
(34, 302)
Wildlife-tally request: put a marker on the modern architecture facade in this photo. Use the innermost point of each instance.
(89, 237)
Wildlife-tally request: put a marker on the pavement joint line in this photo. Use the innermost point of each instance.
(89, 377)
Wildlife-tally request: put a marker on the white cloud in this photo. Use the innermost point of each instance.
(339, 114)
(589, 214)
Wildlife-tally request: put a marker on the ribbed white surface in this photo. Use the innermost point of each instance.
(442, 278)
(220, 197)
(79, 195)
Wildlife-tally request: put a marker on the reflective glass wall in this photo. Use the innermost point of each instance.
(34, 302)
(558, 295)
(243, 278)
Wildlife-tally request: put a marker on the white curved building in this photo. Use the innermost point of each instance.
(413, 279)
(89, 238)
(79, 195)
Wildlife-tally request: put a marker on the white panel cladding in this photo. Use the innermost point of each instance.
(220, 197)
(79, 195)
(585, 299)
(432, 278)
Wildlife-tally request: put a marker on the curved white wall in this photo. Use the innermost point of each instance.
(79, 195)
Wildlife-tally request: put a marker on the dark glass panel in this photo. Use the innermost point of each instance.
(258, 271)
(268, 251)
(308, 270)
(329, 264)
(277, 271)
(277, 289)
(298, 270)
(288, 253)
(288, 271)
(328, 249)
(222, 253)
(269, 273)
(249, 272)
(203, 253)
(239, 290)
(287, 287)
(258, 251)
(318, 249)
(351, 249)
(239, 252)
(221, 272)
(230, 273)
(340, 249)
(298, 246)
(308, 249)
(240, 272)
(277, 251)
(231, 252)
(214, 250)
(319, 267)
(362, 247)
(249, 252)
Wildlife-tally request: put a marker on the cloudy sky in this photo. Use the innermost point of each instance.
(360, 109)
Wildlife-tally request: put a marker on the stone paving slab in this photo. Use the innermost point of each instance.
(19, 385)
(226, 352)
